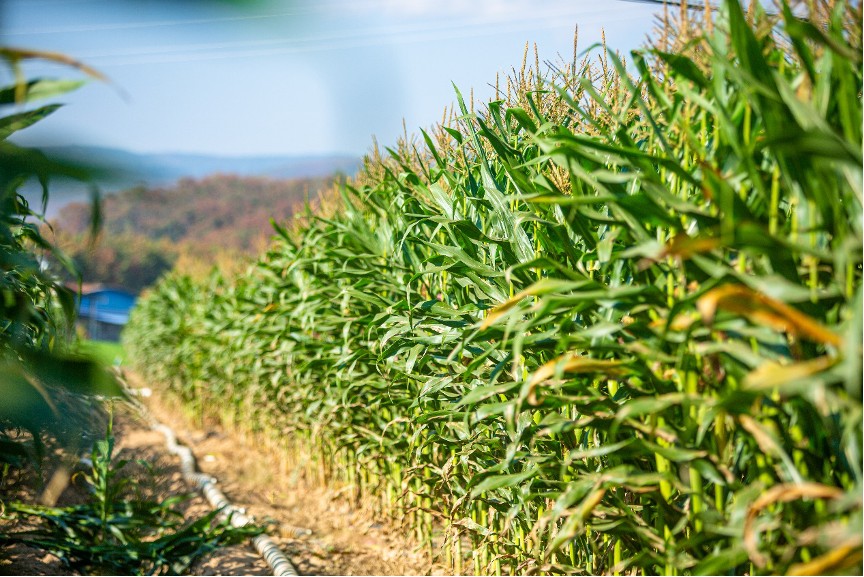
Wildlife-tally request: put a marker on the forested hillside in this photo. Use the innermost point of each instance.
(116, 170)
(146, 230)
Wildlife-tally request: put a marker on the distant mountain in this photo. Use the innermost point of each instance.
(120, 169)
(146, 230)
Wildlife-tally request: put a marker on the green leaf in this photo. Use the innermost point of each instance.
(41, 88)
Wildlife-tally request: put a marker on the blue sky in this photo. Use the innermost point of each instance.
(289, 77)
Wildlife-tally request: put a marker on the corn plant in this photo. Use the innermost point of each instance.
(113, 534)
(608, 323)
(44, 386)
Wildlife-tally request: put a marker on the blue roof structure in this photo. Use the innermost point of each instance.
(107, 305)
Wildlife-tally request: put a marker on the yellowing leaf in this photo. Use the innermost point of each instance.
(589, 503)
(832, 562)
(681, 322)
(544, 286)
(572, 363)
(16, 54)
(769, 375)
(684, 247)
(764, 310)
(782, 493)
(576, 523)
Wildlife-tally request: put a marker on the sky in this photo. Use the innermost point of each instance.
(291, 77)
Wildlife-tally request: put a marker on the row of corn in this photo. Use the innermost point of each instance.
(609, 322)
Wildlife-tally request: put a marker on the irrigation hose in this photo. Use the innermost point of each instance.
(279, 564)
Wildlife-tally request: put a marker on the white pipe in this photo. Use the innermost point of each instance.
(279, 564)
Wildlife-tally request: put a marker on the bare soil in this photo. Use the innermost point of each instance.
(316, 527)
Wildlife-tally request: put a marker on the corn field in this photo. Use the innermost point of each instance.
(607, 323)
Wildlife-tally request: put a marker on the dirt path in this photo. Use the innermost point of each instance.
(318, 531)
(340, 540)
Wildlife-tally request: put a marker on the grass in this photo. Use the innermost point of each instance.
(608, 323)
(106, 353)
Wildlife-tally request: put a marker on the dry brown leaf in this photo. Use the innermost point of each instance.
(572, 363)
(499, 311)
(782, 493)
(764, 310)
(833, 561)
(681, 322)
(13, 57)
(589, 503)
(769, 375)
(684, 247)
(16, 54)
(766, 444)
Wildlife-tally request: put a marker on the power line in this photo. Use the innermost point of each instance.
(30, 3)
(694, 6)
(675, 3)
(369, 37)
(128, 25)
(363, 32)
(317, 7)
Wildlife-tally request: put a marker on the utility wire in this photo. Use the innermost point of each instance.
(318, 7)
(694, 6)
(396, 30)
(675, 3)
(128, 25)
(334, 41)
